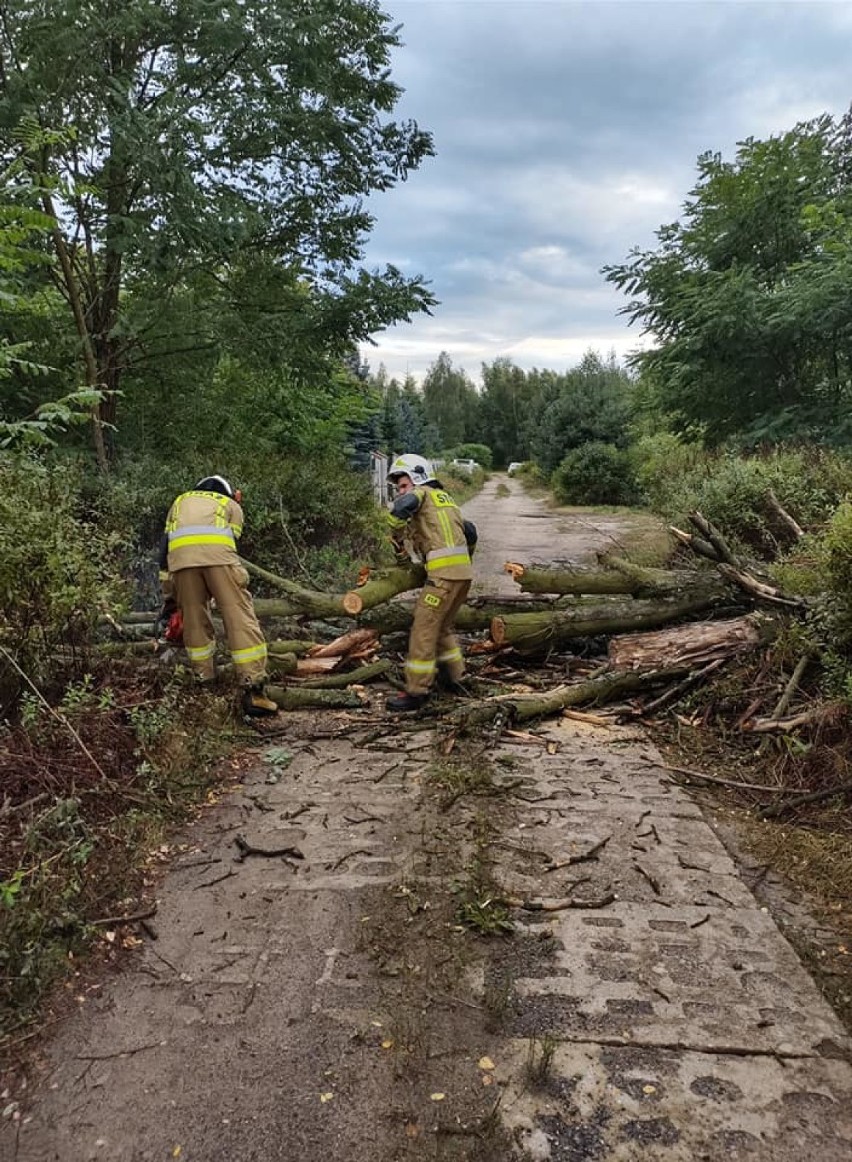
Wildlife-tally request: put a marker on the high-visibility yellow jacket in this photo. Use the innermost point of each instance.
(202, 529)
(433, 521)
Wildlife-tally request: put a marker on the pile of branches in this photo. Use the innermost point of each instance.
(665, 631)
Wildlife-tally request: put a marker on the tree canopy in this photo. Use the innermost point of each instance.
(164, 141)
(749, 296)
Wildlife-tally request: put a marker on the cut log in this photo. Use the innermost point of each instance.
(350, 678)
(698, 545)
(617, 576)
(710, 533)
(281, 663)
(690, 645)
(478, 614)
(297, 698)
(759, 589)
(790, 524)
(537, 632)
(310, 602)
(290, 647)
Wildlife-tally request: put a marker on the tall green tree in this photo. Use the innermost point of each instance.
(589, 404)
(504, 404)
(450, 401)
(196, 132)
(749, 296)
(405, 426)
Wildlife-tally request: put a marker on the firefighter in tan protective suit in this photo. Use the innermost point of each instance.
(198, 561)
(424, 513)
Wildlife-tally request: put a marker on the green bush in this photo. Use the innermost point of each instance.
(838, 545)
(661, 460)
(309, 519)
(57, 570)
(733, 490)
(481, 453)
(595, 473)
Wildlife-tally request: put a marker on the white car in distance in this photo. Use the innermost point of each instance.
(465, 465)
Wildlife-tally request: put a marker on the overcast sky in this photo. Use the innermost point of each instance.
(566, 133)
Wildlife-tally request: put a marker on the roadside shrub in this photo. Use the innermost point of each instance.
(595, 473)
(733, 491)
(481, 453)
(57, 572)
(838, 545)
(659, 461)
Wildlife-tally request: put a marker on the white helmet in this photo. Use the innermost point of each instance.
(419, 470)
(215, 484)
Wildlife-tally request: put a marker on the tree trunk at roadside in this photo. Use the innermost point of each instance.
(298, 698)
(691, 645)
(595, 691)
(615, 576)
(537, 632)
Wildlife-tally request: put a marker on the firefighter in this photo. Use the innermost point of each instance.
(424, 513)
(198, 561)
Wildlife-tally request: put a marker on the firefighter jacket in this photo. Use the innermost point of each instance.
(432, 520)
(202, 529)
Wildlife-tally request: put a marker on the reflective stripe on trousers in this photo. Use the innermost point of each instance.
(432, 638)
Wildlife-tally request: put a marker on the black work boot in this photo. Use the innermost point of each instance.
(256, 704)
(405, 702)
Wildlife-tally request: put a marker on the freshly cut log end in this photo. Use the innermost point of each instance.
(515, 569)
(497, 631)
(352, 603)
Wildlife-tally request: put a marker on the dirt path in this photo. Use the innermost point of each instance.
(334, 1008)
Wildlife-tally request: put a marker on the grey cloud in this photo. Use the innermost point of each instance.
(566, 133)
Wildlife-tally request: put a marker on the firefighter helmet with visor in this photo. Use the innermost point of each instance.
(418, 470)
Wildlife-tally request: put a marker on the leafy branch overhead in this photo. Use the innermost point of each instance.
(747, 297)
(195, 137)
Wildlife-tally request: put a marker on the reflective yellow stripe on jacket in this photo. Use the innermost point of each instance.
(440, 559)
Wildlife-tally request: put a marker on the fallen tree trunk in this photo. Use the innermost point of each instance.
(298, 698)
(617, 576)
(311, 602)
(290, 647)
(691, 645)
(381, 586)
(475, 615)
(596, 691)
(281, 663)
(534, 632)
(350, 678)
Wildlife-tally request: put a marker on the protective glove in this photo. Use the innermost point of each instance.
(400, 553)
